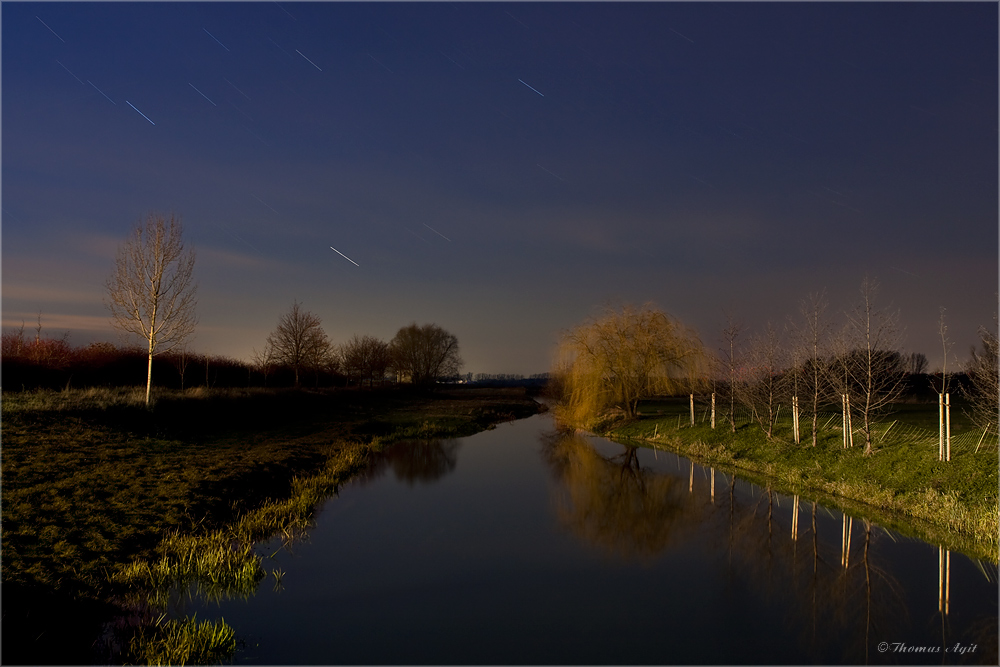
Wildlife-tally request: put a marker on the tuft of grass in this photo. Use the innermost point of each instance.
(172, 642)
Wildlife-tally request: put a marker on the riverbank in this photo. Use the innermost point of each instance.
(901, 486)
(94, 482)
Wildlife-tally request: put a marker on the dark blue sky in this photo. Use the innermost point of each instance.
(503, 170)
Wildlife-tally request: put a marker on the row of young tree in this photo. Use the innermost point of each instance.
(809, 365)
(417, 354)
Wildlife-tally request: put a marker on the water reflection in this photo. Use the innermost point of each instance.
(414, 461)
(497, 565)
(613, 502)
(828, 590)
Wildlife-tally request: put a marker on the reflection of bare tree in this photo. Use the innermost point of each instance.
(613, 501)
(851, 601)
(837, 601)
(414, 461)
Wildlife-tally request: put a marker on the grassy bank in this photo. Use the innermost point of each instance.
(902, 485)
(95, 484)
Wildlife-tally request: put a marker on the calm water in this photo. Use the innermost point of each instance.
(519, 546)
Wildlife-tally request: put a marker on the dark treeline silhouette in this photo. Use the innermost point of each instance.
(535, 380)
(39, 362)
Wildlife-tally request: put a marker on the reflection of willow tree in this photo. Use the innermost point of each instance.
(612, 501)
(414, 461)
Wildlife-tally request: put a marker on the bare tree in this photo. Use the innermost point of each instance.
(762, 381)
(263, 360)
(812, 339)
(984, 394)
(915, 363)
(729, 363)
(181, 360)
(623, 356)
(425, 353)
(871, 365)
(299, 341)
(151, 293)
(365, 358)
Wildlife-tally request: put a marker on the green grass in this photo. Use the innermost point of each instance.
(902, 484)
(105, 499)
(172, 642)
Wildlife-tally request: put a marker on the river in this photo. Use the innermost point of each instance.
(521, 545)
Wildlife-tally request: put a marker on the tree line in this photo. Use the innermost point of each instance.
(151, 296)
(417, 354)
(808, 364)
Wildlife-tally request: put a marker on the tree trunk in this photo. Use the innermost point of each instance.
(149, 374)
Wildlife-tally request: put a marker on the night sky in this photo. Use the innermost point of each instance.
(505, 170)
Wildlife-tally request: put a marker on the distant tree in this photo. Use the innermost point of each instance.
(180, 360)
(263, 360)
(868, 360)
(299, 341)
(365, 358)
(762, 384)
(425, 353)
(622, 357)
(983, 393)
(151, 293)
(915, 363)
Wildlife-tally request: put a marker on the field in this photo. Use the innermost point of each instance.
(902, 484)
(94, 483)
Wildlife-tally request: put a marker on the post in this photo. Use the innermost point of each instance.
(983, 437)
(691, 479)
(843, 418)
(850, 426)
(947, 427)
(940, 427)
(692, 410)
(795, 418)
(713, 409)
(713, 486)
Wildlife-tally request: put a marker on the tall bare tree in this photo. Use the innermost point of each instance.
(762, 382)
(299, 341)
(812, 339)
(729, 365)
(425, 353)
(623, 356)
(151, 293)
(870, 361)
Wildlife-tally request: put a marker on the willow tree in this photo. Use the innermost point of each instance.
(623, 356)
(150, 293)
